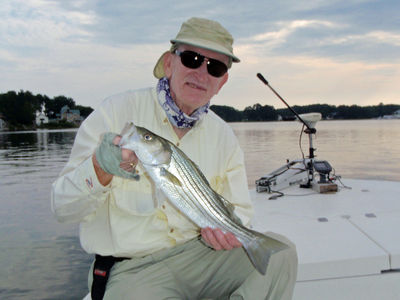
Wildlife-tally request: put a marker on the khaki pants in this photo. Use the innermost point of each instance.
(195, 271)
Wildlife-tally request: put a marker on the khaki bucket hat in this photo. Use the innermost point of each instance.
(202, 33)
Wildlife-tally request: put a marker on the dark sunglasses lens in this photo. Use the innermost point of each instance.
(191, 59)
(194, 60)
(216, 68)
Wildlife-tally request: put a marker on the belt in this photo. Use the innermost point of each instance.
(101, 272)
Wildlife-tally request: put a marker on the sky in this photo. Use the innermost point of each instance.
(316, 51)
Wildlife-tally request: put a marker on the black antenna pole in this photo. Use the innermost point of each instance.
(312, 130)
(308, 130)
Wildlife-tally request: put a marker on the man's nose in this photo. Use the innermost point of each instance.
(202, 70)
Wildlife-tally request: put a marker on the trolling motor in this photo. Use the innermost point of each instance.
(310, 119)
(302, 172)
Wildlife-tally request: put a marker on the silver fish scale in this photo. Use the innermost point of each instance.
(188, 190)
(205, 206)
(196, 194)
(182, 198)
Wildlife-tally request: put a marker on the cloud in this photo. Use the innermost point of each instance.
(288, 28)
(303, 80)
(376, 37)
(40, 24)
(323, 38)
(89, 49)
(271, 40)
(86, 72)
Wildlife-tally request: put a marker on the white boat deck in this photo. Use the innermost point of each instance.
(348, 242)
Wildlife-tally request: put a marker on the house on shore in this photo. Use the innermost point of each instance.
(3, 124)
(41, 118)
(395, 115)
(70, 115)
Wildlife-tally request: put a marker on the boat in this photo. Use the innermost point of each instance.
(347, 241)
(345, 230)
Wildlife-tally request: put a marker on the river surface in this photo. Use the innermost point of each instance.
(42, 259)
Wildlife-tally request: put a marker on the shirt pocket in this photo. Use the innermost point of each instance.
(134, 197)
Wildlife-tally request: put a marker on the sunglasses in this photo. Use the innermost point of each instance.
(193, 60)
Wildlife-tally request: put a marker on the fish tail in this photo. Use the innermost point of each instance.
(260, 249)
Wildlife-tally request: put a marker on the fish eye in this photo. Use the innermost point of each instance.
(148, 137)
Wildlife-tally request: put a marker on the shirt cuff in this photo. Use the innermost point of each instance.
(89, 178)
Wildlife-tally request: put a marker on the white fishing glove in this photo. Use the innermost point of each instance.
(109, 157)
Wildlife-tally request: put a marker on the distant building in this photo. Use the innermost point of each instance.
(395, 115)
(3, 124)
(41, 118)
(70, 115)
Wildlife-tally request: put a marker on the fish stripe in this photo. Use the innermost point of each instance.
(204, 198)
(201, 197)
(190, 194)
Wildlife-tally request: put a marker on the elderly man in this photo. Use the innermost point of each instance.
(147, 250)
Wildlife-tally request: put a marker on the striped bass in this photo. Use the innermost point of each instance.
(185, 186)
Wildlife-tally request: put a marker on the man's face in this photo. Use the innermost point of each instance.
(193, 88)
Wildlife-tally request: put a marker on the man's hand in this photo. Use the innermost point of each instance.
(110, 160)
(218, 240)
(129, 158)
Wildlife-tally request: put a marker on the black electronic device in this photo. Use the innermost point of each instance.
(322, 166)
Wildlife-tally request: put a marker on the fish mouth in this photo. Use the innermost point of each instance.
(128, 132)
(129, 129)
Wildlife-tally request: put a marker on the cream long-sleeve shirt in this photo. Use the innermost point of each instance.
(129, 218)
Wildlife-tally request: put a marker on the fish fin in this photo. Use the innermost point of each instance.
(195, 167)
(231, 208)
(227, 204)
(170, 177)
(260, 249)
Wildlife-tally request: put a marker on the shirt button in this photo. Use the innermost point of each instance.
(172, 230)
(165, 120)
(163, 206)
(177, 144)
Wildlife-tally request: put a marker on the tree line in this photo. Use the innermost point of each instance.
(19, 109)
(259, 112)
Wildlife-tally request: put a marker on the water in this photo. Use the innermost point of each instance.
(42, 259)
(367, 149)
(39, 258)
